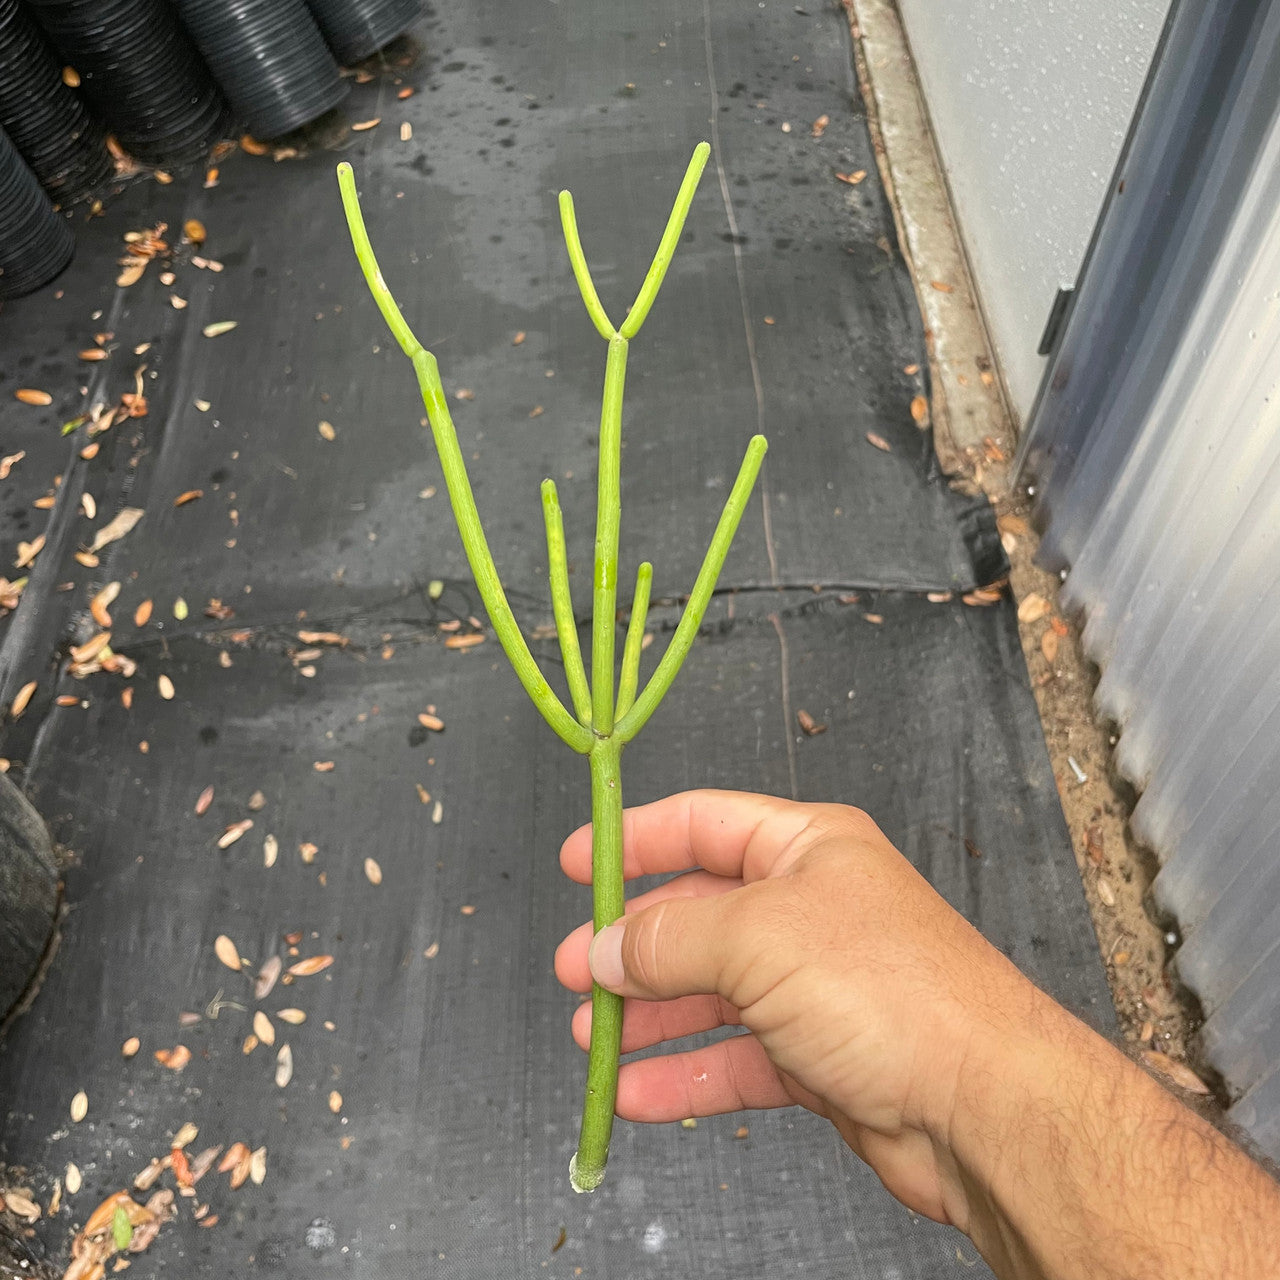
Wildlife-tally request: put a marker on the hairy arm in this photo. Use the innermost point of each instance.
(1075, 1163)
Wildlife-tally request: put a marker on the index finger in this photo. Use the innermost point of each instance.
(730, 833)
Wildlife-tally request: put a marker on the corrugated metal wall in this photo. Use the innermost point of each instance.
(1156, 448)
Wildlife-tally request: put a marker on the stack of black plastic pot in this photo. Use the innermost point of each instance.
(140, 72)
(45, 120)
(270, 59)
(355, 29)
(35, 242)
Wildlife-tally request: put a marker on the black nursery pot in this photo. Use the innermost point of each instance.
(140, 73)
(46, 120)
(269, 58)
(357, 28)
(35, 242)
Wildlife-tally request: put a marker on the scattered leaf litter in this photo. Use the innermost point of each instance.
(79, 1107)
(284, 1066)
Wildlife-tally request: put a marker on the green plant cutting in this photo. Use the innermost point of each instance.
(603, 720)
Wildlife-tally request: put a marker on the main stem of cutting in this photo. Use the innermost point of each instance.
(602, 721)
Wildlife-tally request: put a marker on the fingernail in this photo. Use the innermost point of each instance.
(605, 957)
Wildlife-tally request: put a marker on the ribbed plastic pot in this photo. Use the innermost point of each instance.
(47, 122)
(355, 29)
(35, 242)
(140, 73)
(269, 59)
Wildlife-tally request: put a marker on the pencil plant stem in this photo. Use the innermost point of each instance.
(480, 559)
(562, 604)
(586, 1171)
(635, 641)
(608, 519)
(687, 629)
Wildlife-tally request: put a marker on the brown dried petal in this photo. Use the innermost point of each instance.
(267, 978)
(311, 965)
(284, 1066)
(227, 952)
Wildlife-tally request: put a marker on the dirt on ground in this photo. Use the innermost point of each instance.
(1155, 1012)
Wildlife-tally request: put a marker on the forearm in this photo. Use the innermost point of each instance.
(1075, 1164)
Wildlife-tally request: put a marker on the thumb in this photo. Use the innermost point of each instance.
(674, 948)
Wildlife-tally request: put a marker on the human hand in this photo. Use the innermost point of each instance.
(863, 993)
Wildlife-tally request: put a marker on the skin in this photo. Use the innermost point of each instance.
(856, 991)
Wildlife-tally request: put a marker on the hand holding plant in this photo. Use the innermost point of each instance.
(603, 720)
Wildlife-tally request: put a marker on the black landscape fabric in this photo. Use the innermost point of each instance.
(439, 1022)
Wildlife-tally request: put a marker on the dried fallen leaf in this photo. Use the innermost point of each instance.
(335, 1102)
(307, 851)
(236, 1152)
(1094, 844)
(258, 1166)
(811, 726)
(311, 965)
(250, 1044)
(323, 766)
(919, 410)
(184, 1137)
(203, 1163)
(252, 146)
(79, 1107)
(372, 871)
(117, 528)
(324, 637)
(361, 125)
(463, 642)
(432, 951)
(227, 952)
(264, 1028)
(879, 441)
(852, 178)
(31, 395)
(326, 430)
(99, 604)
(27, 552)
(203, 801)
(9, 462)
(165, 687)
(131, 273)
(72, 1179)
(820, 125)
(1172, 1069)
(295, 1017)
(130, 1047)
(1032, 607)
(267, 977)
(1049, 645)
(428, 721)
(270, 851)
(90, 354)
(142, 614)
(21, 1205)
(218, 327)
(21, 700)
(284, 1066)
(942, 286)
(193, 230)
(175, 1059)
(189, 496)
(234, 832)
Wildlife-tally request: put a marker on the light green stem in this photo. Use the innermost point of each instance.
(608, 519)
(667, 245)
(462, 499)
(562, 603)
(635, 641)
(581, 272)
(669, 666)
(586, 1170)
